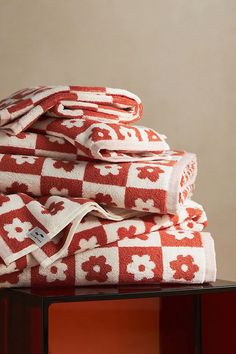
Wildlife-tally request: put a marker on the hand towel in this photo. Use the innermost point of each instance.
(21, 109)
(73, 139)
(159, 256)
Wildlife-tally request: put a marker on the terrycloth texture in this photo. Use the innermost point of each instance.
(73, 139)
(156, 186)
(53, 215)
(142, 249)
(88, 199)
(174, 257)
(20, 110)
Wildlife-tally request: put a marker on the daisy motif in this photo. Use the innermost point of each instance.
(18, 229)
(147, 205)
(149, 172)
(96, 268)
(184, 267)
(54, 272)
(10, 275)
(67, 166)
(109, 169)
(16, 186)
(55, 191)
(128, 133)
(100, 134)
(55, 139)
(71, 123)
(20, 160)
(181, 235)
(88, 244)
(161, 221)
(141, 267)
(53, 208)
(104, 199)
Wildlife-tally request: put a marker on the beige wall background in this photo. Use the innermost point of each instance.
(178, 56)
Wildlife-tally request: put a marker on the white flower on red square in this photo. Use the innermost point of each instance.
(183, 234)
(71, 123)
(20, 160)
(147, 205)
(54, 272)
(88, 244)
(53, 208)
(141, 267)
(105, 170)
(56, 191)
(100, 134)
(18, 229)
(55, 139)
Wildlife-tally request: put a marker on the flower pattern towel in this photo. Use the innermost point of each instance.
(21, 109)
(141, 249)
(73, 139)
(86, 198)
(157, 186)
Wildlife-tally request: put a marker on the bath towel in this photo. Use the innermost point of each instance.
(159, 186)
(76, 139)
(142, 249)
(33, 225)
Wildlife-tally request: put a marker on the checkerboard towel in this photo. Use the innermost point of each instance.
(20, 110)
(141, 249)
(86, 198)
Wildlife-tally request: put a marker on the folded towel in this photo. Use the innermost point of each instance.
(20, 110)
(72, 139)
(159, 256)
(156, 186)
(54, 227)
(86, 199)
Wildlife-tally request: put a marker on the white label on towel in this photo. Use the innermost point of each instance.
(38, 236)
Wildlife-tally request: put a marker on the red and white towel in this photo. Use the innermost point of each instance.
(141, 249)
(156, 186)
(21, 109)
(86, 198)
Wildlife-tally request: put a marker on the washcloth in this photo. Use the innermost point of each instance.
(159, 186)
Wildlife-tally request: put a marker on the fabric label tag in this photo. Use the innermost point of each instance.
(38, 236)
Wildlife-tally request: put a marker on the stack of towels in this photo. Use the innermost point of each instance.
(87, 198)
